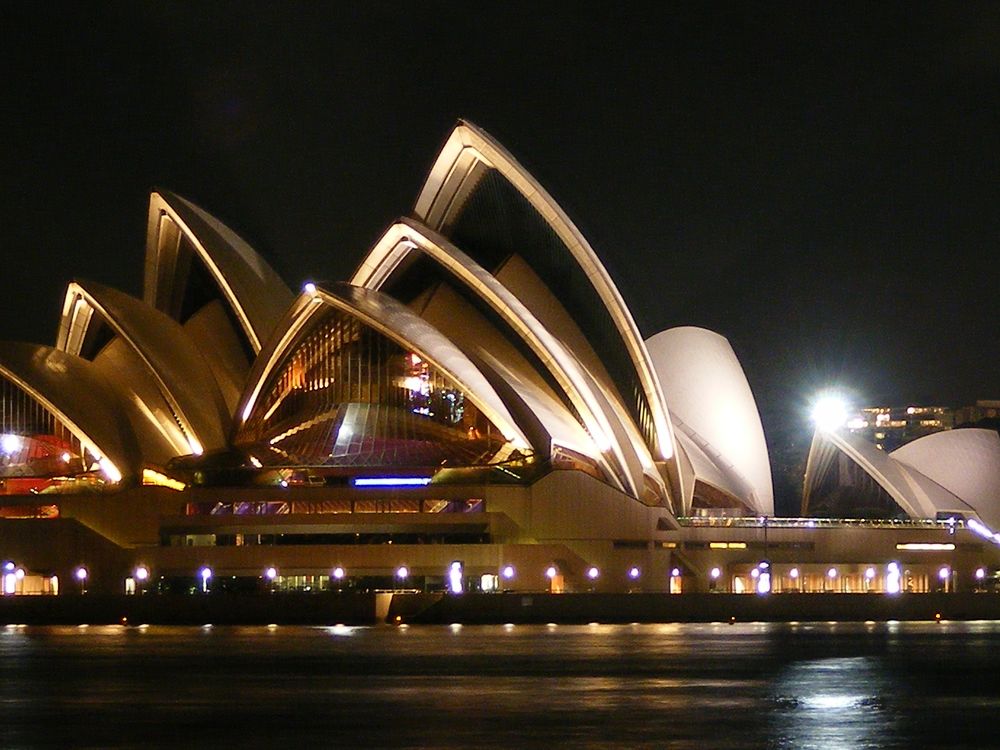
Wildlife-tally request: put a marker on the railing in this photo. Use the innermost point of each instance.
(818, 523)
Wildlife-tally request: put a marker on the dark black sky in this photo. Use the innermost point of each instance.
(818, 183)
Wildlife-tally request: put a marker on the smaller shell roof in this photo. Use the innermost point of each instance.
(966, 462)
(182, 374)
(916, 493)
(73, 390)
(709, 395)
(257, 295)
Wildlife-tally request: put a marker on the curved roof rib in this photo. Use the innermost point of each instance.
(253, 291)
(711, 402)
(78, 395)
(612, 431)
(397, 322)
(917, 495)
(469, 156)
(181, 374)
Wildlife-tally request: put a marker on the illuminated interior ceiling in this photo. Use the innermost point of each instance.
(79, 399)
(612, 436)
(358, 379)
(486, 203)
(712, 405)
(172, 379)
(914, 492)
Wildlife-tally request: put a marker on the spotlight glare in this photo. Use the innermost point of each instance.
(829, 412)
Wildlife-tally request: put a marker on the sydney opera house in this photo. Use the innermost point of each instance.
(474, 409)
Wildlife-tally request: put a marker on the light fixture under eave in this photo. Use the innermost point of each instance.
(152, 478)
(194, 445)
(110, 470)
(391, 481)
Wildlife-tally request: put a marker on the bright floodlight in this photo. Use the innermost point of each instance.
(338, 573)
(944, 572)
(81, 573)
(141, 573)
(507, 572)
(205, 573)
(402, 572)
(793, 573)
(633, 572)
(10, 443)
(980, 574)
(551, 572)
(675, 572)
(271, 573)
(592, 573)
(831, 573)
(310, 289)
(715, 573)
(870, 573)
(829, 412)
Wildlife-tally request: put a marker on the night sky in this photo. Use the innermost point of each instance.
(820, 184)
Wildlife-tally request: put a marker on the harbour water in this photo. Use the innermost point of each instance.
(795, 686)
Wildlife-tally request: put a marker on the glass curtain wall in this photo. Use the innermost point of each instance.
(38, 453)
(347, 395)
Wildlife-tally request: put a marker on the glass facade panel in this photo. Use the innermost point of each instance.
(38, 453)
(347, 395)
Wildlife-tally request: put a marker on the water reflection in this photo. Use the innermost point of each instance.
(865, 685)
(829, 704)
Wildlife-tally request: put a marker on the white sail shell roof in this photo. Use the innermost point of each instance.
(470, 151)
(255, 293)
(73, 390)
(711, 401)
(966, 462)
(918, 495)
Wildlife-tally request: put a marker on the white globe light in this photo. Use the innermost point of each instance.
(10, 443)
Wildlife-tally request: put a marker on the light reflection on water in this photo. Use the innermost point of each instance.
(808, 685)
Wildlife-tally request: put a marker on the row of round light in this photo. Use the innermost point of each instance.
(142, 574)
(761, 574)
(12, 574)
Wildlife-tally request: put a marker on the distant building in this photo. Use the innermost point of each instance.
(988, 409)
(889, 427)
